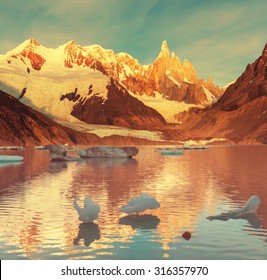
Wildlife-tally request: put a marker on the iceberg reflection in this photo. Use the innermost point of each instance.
(4, 164)
(252, 218)
(146, 221)
(89, 232)
(248, 212)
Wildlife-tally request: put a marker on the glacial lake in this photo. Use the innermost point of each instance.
(38, 221)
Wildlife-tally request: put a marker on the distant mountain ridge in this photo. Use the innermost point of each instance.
(155, 85)
(175, 80)
(97, 86)
(22, 125)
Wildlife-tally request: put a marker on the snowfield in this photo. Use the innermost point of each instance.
(108, 130)
(45, 88)
(167, 108)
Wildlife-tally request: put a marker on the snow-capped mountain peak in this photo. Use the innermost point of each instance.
(76, 66)
(28, 44)
(164, 46)
(31, 50)
(164, 52)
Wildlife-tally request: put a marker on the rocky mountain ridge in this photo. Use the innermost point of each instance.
(21, 125)
(167, 78)
(241, 112)
(97, 86)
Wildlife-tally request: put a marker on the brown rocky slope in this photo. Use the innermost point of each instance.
(21, 125)
(120, 109)
(241, 113)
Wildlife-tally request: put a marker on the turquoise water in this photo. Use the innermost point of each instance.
(38, 220)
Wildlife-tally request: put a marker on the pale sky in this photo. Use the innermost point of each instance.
(218, 37)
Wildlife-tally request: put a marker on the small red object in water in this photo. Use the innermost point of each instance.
(186, 235)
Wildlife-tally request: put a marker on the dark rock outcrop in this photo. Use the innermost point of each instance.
(120, 109)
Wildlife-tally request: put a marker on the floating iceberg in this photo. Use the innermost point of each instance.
(252, 204)
(4, 158)
(17, 148)
(90, 210)
(59, 153)
(169, 152)
(195, 147)
(41, 147)
(108, 152)
(240, 213)
(140, 204)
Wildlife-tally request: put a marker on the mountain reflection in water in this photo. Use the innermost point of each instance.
(38, 220)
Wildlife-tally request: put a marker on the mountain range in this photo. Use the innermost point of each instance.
(91, 85)
(241, 112)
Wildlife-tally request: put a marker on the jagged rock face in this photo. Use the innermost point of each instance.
(166, 79)
(175, 80)
(161, 65)
(83, 93)
(173, 66)
(121, 66)
(167, 75)
(31, 52)
(178, 81)
(76, 55)
(250, 85)
(133, 75)
(241, 113)
(264, 54)
(119, 109)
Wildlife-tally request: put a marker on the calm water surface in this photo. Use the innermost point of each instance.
(38, 221)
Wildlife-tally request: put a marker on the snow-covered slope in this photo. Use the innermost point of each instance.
(167, 108)
(66, 81)
(22, 125)
(45, 89)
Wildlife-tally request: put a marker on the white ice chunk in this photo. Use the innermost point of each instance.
(140, 204)
(90, 210)
(253, 203)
